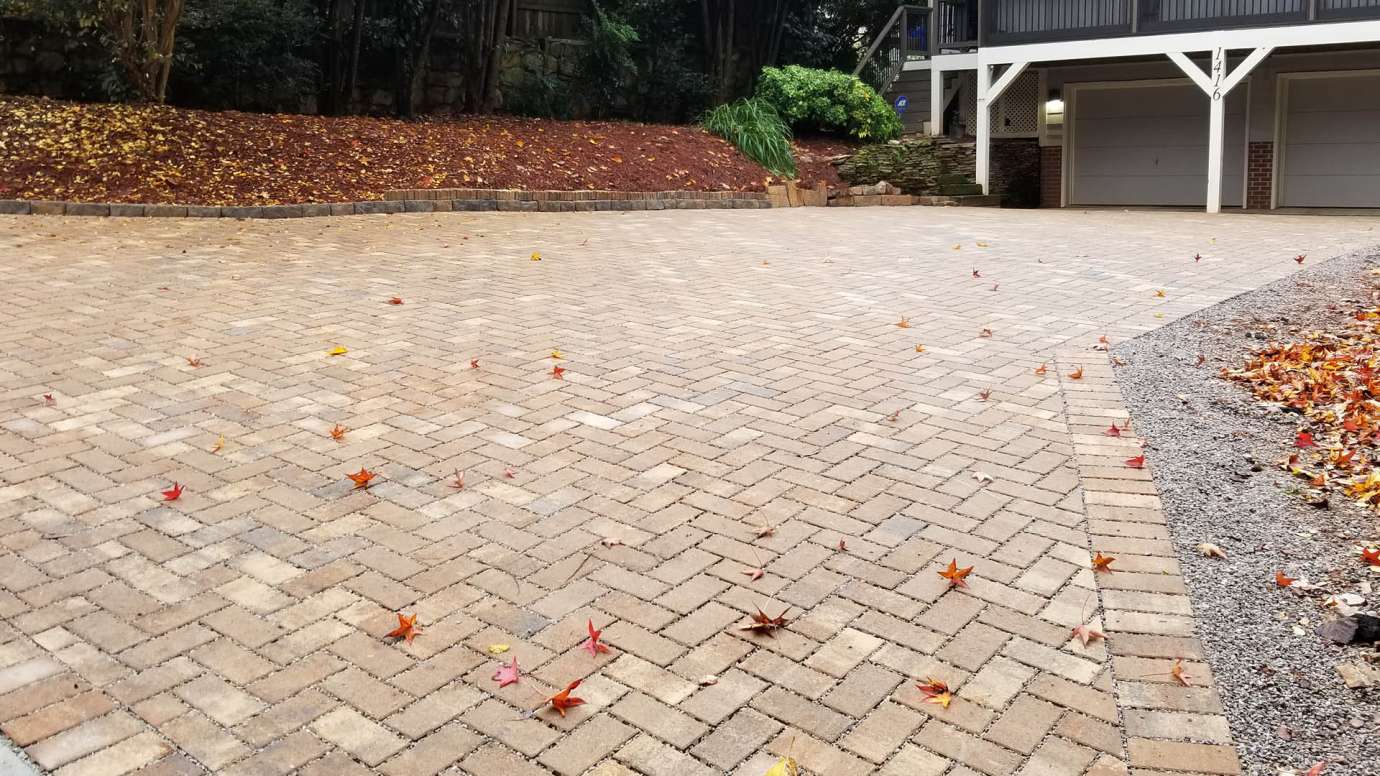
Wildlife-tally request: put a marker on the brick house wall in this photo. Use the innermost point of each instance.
(1051, 175)
(1260, 168)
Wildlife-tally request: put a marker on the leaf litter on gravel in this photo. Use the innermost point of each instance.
(1280, 684)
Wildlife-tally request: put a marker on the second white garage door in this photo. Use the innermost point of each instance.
(1146, 144)
(1331, 150)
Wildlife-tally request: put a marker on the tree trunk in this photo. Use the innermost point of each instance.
(352, 61)
(421, 61)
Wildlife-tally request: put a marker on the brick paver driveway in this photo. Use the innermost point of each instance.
(726, 373)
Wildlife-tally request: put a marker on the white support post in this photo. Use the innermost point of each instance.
(1217, 85)
(984, 126)
(987, 93)
(936, 101)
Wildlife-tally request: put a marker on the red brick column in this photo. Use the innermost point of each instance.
(1260, 171)
(1051, 175)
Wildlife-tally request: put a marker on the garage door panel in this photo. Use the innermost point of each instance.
(1332, 159)
(1328, 94)
(1140, 190)
(1139, 132)
(1343, 126)
(1331, 141)
(1147, 145)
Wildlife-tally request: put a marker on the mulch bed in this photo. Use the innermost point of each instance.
(83, 152)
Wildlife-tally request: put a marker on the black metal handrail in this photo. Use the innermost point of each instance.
(904, 38)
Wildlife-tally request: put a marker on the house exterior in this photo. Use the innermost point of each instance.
(1256, 104)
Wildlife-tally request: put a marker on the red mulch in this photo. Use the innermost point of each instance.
(83, 152)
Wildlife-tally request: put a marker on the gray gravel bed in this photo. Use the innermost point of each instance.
(1206, 438)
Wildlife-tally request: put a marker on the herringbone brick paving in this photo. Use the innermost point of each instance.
(726, 372)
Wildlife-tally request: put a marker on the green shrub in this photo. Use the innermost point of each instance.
(757, 130)
(828, 100)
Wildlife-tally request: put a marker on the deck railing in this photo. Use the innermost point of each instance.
(1030, 21)
(905, 37)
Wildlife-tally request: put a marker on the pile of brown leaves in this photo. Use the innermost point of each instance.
(1330, 378)
(156, 154)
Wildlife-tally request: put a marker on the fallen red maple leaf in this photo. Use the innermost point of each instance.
(1085, 634)
(562, 700)
(1197, 257)
(1136, 463)
(955, 574)
(1304, 439)
(459, 482)
(1041, 370)
(395, 300)
(48, 399)
(193, 361)
(1299, 258)
(557, 371)
(1282, 580)
(904, 323)
(753, 574)
(936, 691)
(1371, 556)
(1102, 562)
(1076, 374)
(338, 432)
(592, 643)
(174, 493)
(362, 477)
(474, 363)
(766, 624)
(508, 674)
(985, 333)
(985, 394)
(843, 545)
(407, 629)
(509, 473)
(976, 273)
(1177, 672)
(1113, 431)
(1317, 768)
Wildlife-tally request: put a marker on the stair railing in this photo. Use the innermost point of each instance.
(905, 37)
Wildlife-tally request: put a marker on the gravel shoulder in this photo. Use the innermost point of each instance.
(1214, 452)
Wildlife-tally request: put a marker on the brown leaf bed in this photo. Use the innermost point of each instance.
(84, 152)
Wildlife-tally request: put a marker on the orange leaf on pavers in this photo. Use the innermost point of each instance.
(766, 530)
(193, 362)
(985, 333)
(407, 629)
(1041, 370)
(174, 493)
(557, 371)
(592, 643)
(919, 348)
(338, 432)
(1304, 439)
(1085, 633)
(893, 417)
(509, 473)
(904, 323)
(474, 363)
(1102, 562)
(976, 273)
(1371, 556)
(766, 624)
(1299, 258)
(395, 300)
(1282, 580)
(459, 482)
(219, 445)
(1317, 768)
(955, 574)
(362, 477)
(753, 574)
(1076, 374)
(1160, 293)
(1136, 463)
(1113, 431)
(562, 700)
(985, 394)
(936, 691)
(843, 545)
(1177, 673)
(508, 674)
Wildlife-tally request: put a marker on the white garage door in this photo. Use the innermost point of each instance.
(1331, 142)
(1147, 145)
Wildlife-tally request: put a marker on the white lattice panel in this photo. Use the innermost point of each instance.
(1017, 113)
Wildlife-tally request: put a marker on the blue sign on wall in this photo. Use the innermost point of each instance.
(901, 103)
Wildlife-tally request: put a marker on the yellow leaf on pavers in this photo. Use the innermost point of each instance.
(786, 766)
(338, 350)
(536, 256)
(497, 649)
